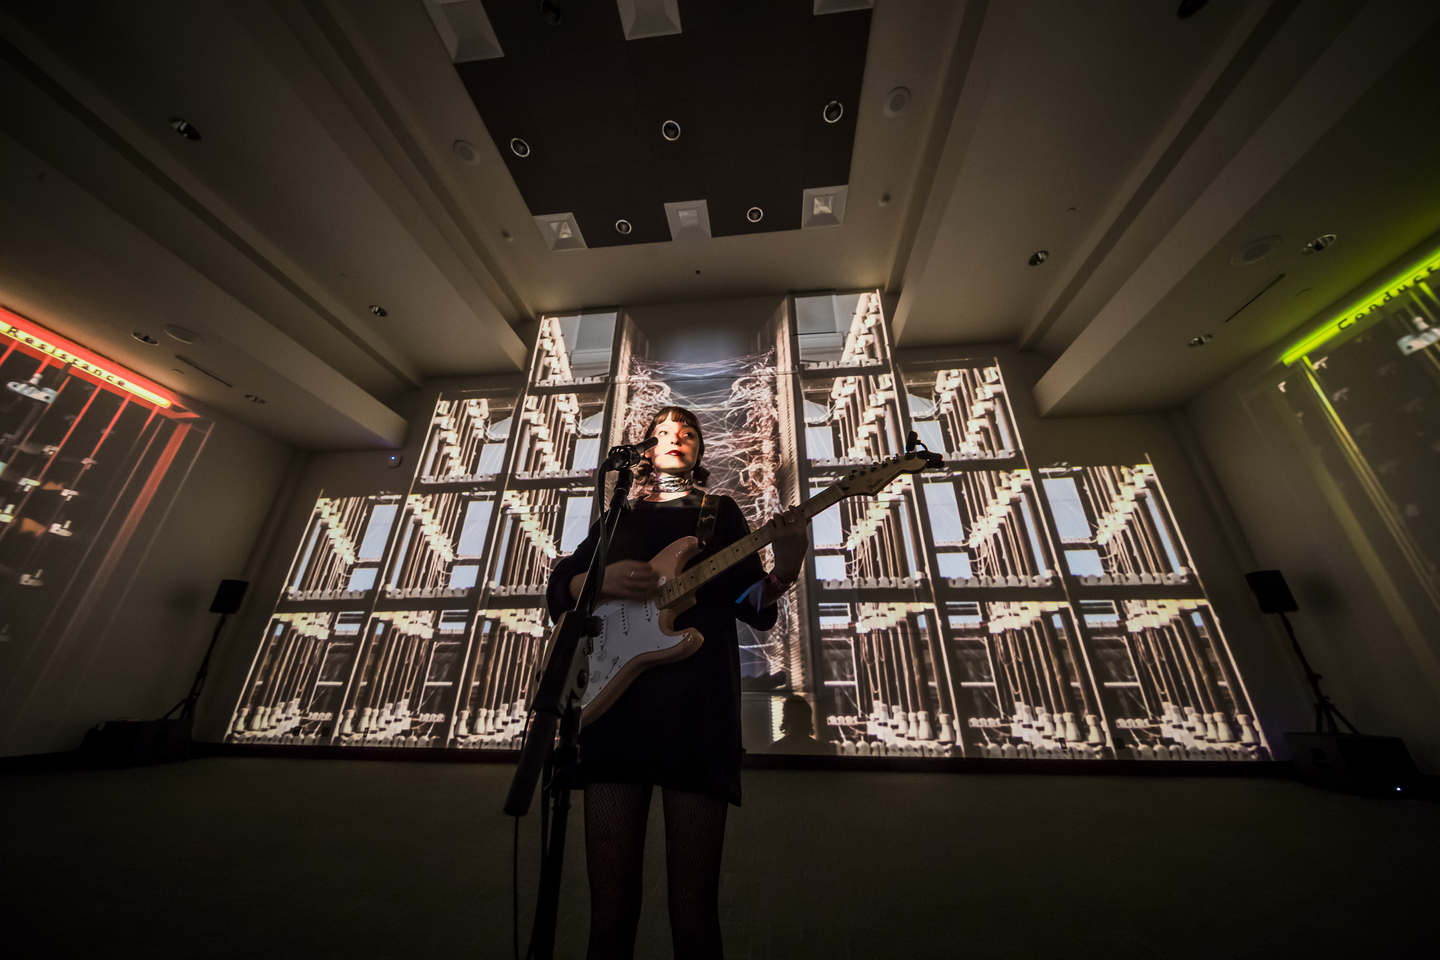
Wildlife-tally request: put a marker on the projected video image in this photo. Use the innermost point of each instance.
(982, 609)
(1362, 411)
(91, 457)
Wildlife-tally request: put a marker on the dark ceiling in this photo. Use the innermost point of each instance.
(748, 83)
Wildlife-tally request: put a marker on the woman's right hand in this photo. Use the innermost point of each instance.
(624, 580)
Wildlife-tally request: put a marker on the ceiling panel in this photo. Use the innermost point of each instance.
(748, 86)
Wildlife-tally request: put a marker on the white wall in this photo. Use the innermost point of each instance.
(139, 651)
(1381, 675)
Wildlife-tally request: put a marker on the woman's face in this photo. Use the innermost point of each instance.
(678, 449)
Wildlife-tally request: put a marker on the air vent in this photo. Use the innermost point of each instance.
(195, 366)
(1318, 244)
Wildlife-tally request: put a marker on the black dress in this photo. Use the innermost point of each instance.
(677, 725)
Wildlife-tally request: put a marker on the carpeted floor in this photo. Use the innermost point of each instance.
(259, 858)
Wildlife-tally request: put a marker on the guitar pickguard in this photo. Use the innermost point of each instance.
(635, 635)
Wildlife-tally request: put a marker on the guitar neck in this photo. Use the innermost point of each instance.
(706, 570)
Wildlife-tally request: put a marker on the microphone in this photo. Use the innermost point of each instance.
(628, 454)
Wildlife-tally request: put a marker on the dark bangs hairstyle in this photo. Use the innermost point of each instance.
(645, 468)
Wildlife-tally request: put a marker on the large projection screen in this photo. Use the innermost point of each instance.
(983, 609)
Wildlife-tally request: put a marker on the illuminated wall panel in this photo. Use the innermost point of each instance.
(408, 679)
(498, 678)
(297, 687)
(981, 609)
(467, 440)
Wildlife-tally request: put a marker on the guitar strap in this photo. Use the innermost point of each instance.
(705, 527)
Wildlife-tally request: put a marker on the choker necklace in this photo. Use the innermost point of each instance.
(669, 483)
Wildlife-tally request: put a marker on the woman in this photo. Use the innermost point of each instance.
(678, 725)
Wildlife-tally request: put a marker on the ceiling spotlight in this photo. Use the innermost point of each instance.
(1039, 257)
(519, 147)
(183, 334)
(144, 337)
(623, 226)
(754, 214)
(1318, 244)
(378, 310)
(896, 101)
(253, 398)
(1188, 8)
(183, 127)
(670, 130)
(1201, 340)
(550, 10)
(466, 152)
(833, 111)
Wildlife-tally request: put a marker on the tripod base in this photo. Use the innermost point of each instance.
(1351, 763)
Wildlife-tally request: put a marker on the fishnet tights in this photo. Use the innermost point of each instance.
(615, 818)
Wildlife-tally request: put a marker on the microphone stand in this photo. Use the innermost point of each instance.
(562, 683)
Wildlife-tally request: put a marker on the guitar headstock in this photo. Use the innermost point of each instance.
(877, 476)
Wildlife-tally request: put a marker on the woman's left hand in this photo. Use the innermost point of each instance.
(790, 544)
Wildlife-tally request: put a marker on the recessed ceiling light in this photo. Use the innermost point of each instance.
(1201, 340)
(754, 215)
(1255, 251)
(183, 334)
(466, 152)
(1318, 244)
(253, 398)
(833, 111)
(184, 128)
(378, 310)
(623, 226)
(507, 236)
(896, 101)
(670, 130)
(550, 10)
(519, 147)
(1039, 257)
(144, 337)
(884, 199)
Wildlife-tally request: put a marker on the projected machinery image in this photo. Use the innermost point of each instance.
(985, 608)
(91, 457)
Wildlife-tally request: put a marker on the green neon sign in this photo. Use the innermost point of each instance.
(1363, 308)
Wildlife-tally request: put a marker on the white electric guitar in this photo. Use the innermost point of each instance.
(635, 635)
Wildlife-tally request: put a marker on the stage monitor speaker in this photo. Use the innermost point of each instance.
(1271, 592)
(129, 743)
(1376, 766)
(228, 597)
